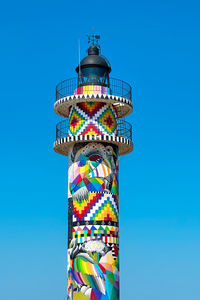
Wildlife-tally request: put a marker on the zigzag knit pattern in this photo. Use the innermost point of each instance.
(99, 207)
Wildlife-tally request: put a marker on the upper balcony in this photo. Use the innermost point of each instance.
(117, 92)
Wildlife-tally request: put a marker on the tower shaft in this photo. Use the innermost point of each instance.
(93, 213)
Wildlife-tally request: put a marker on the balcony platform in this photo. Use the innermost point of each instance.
(117, 92)
(123, 106)
(63, 145)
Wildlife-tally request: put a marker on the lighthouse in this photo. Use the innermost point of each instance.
(93, 134)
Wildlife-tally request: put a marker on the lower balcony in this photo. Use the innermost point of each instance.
(65, 138)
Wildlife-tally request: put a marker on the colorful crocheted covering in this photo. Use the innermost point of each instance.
(91, 108)
(89, 173)
(76, 121)
(98, 207)
(95, 169)
(92, 118)
(108, 234)
(92, 89)
(107, 120)
(94, 270)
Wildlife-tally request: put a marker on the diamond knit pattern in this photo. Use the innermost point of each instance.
(92, 118)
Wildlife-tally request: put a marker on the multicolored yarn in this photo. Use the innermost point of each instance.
(91, 108)
(89, 173)
(93, 172)
(99, 273)
(76, 121)
(92, 89)
(92, 118)
(99, 207)
(108, 234)
(93, 193)
(107, 120)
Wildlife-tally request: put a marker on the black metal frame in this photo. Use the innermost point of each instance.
(117, 87)
(124, 129)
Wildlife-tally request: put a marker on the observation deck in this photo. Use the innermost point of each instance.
(118, 93)
(122, 138)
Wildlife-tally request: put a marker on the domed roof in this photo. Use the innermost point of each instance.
(94, 59)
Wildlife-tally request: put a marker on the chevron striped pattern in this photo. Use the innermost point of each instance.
(99, 207)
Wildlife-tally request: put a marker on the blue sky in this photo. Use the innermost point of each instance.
(153, 45)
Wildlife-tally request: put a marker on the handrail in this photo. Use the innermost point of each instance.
(116, 87)
(124, 129)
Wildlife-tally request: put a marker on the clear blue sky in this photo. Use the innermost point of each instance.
(155, 46)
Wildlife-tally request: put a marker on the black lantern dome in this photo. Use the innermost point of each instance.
(94, 69)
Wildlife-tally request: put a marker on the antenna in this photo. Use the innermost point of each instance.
(79, 56)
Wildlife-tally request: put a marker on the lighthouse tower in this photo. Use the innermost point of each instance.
(93, 135)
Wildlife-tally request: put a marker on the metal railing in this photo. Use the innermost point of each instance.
(116, 87)
(124, 129)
